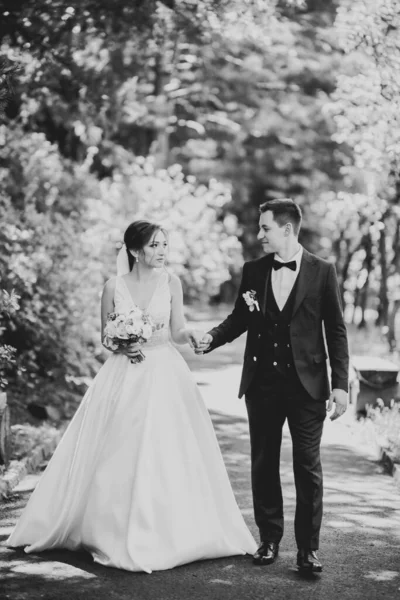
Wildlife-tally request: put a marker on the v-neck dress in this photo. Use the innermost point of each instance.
(138, 478)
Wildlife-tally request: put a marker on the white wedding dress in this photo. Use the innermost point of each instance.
(138, 479)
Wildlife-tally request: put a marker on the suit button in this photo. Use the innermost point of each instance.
(254, 358)
(288, 365)
(276, 345)
(288, 345)
(259, 335)
(275, 363)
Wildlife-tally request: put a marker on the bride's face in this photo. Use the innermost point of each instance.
(154, 254)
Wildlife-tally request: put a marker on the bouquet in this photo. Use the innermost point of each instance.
(124, 329)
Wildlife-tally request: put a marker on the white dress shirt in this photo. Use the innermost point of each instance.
(283, 280)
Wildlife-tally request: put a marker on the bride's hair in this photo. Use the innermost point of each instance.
(137, 235)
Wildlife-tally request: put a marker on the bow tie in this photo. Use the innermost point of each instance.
(278, 265)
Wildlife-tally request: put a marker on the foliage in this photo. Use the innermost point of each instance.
(8, 306)
(365, 108)
(45, 258)
(231, 90)
(7, 72)
(204, 250)
(247, 110)
(386, 422)
(8, 301)
(26, 438)
(368, 92)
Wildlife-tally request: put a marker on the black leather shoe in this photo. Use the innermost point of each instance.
(266, 554)
(307, 560)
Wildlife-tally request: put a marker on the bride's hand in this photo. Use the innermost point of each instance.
(195, 338)
(204, 344)
(133, 352)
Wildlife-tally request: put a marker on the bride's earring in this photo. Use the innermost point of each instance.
(134, 255)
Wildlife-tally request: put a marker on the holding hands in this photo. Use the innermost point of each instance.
(199, 341)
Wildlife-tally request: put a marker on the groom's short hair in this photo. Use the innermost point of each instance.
(284, 211)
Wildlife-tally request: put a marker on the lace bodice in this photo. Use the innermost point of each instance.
(159, 308)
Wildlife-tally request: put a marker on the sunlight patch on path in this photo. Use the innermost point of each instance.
(48, 570)
(382, 575)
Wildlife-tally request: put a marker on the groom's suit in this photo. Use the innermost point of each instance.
(285, 376)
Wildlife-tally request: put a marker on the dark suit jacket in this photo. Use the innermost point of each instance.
(317, 305)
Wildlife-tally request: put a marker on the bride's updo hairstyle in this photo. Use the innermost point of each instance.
(137, 235)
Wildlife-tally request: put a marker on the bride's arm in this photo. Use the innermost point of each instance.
(180, 334)
(107, 306)
(107, 303)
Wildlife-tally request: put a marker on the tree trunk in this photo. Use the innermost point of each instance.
(160, 146)
(356, 303)
(345, 272)
(5, 431)
(367, 243)
(391, 336)
(396, 247)
(383, 309)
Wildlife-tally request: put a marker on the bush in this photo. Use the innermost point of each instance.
(25, 438)
(46, 257)
(386, 421)
(8, 306)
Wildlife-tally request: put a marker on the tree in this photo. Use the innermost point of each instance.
(366, 111)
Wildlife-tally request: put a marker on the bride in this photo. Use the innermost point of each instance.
(138, 479)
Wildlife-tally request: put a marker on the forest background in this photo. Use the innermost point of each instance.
(191, 114)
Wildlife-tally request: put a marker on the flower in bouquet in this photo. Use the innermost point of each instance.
(124, 329)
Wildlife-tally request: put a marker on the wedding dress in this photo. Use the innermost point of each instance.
(138, 478)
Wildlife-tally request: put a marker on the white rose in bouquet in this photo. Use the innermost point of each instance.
(147, 331)
(110, 344)
(133, 328)
(110, 329)
(121, 330)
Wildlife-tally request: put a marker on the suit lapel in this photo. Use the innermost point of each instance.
(306, 275)
(265, 274)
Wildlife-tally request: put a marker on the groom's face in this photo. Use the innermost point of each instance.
(272, 235)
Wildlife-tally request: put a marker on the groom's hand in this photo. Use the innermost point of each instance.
(195, 338)
(339, 397)
(204, 344)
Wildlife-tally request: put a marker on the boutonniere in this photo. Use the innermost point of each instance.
(251, 300)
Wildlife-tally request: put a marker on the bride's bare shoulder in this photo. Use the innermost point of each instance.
(109, 286)
(175, 285)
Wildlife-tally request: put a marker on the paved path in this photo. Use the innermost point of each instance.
(360, 544)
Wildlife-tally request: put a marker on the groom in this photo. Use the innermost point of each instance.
(289, 304)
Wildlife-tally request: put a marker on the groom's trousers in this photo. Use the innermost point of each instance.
(270, 400)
